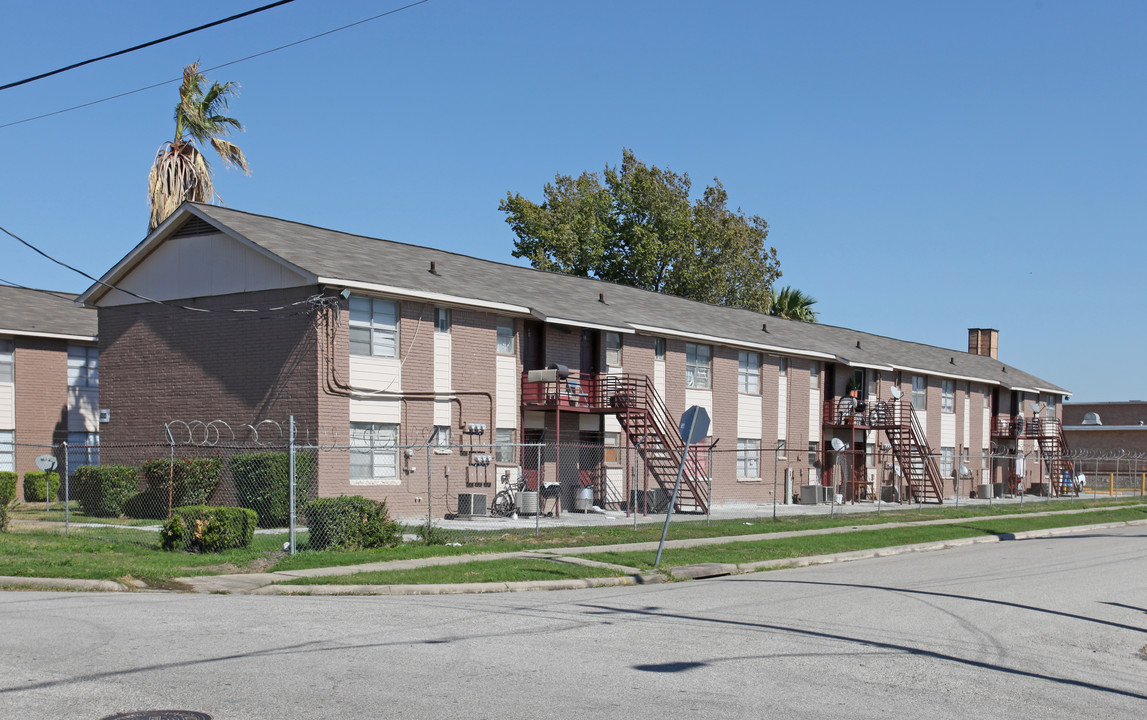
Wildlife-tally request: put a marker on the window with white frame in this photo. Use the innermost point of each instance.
(872, 380)
(813, 451)
(442, 440)
(748, 458)
(7, 451)
(919, 392)
(698, 366)
(373, 327)
(504, 445)
(613, 349)
(83, 449)
(83, 366)
(749, 372)
(814, 376)
(373, 453)
(658, 348)
(442, 320)
(7, 361)
(612, 443)
(947, 396)
(870, 454)
(783, 366)
(505, 336)
(782, 446)
(985, 460)
(947, 460)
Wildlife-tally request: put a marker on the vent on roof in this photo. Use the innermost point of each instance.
(195, 226)
(1092, 418)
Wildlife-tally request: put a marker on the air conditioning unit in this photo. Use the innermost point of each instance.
(471, 505)
(813, 494)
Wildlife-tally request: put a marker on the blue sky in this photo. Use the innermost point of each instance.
(924, 167)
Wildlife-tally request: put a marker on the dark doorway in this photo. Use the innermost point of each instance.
(829, 380)
(590, 355)
(533, 345)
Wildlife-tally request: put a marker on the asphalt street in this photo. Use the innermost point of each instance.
(1042, 628)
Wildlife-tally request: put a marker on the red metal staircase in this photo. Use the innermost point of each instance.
(910, 449)
(1054, 452)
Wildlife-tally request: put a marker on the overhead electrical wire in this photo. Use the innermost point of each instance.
(125, 51)
(215, 67)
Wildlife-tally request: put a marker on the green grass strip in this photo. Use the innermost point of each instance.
(479, 571)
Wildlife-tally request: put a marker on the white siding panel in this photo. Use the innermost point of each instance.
(659, 377)
(614, 485)
(967, 420)
(371, 373)
(506, 392)
(948, 430)
(83, 410)
(814, 412)
(442, 412)
(7, 406)
(749, 416)
(610, 423)
(782, 408)
(201, 266)
(386, 410)
(704, 398)
(442, 362)
(987, 420)
(922, 418)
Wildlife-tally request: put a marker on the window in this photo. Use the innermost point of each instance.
(611, 441)
(442, 440)
(947, 396)
(873, 380)
(919, 392)
(83, 366)
(373, 454)
(781, 445)
(613, 349)
(813, 451)
(658, 348)
(505, 336)
(748, 458)
(748, 372)
(373, 327)
(947, 457)
(7, 451)
(83, 449)
(697, 366)
(814, 376)
(504, 445)
(6, 361)
(442, 320)
(870, 454)
(783, 367)
(985, 459)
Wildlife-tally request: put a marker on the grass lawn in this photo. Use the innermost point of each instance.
(479, 571)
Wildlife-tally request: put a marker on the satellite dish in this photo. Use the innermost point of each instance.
(964, 471)
(896, 394)
(1036, 407)
(1092, 418)
(837, 445)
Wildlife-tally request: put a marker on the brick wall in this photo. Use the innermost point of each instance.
(41, 389)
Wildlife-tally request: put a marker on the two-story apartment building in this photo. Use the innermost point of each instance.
(49, 376)
(376, 344)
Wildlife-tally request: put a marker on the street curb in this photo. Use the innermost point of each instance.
(459, 588)
(62, 583)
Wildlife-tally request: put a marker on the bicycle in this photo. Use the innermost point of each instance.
(505, 501)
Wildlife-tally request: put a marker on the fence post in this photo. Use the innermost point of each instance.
(67, 492)
(292, 476)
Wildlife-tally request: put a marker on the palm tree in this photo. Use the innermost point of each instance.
(180, 171)
(793, 304)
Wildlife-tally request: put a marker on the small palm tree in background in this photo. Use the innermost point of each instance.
(180, 171)
(793, 304)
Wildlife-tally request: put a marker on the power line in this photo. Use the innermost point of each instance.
(214, 67)
(73, 66)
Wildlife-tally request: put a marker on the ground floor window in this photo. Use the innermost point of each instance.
(748, 458)
(7, 451)
(813, 451)
(611, 441)
(504, 445)
(373, 454)
(947, 460)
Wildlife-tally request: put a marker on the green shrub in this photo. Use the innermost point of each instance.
(263, 483)
(208, 528)
(192, 479)
(34, 486)
(350, 523)
(3, 518)
(151, 504)
(7, 487)
(103, 489)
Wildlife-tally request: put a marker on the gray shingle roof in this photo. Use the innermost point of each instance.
(355, 258)
(43, 312)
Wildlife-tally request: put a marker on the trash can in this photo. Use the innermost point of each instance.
(584, 499)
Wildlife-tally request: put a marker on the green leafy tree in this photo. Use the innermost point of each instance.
(635, 224)
(180, 171)
(793, 304)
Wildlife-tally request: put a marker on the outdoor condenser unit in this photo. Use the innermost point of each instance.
(471, 505)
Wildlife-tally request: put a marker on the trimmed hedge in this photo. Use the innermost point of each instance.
(208, 528)
(34, 483)
(151, 504)
(3, 518)
(263, 483)
(7, 488)
(350, 522)
(103, 489)
(192, 479)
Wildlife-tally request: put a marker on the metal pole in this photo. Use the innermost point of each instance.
(776, 458)
(676, 484)
(67, 491)
(292, 476)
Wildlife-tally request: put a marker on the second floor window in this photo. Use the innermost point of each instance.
(83, 366)
(748, 372)
(7, 364)
(442, 320)
(373, 327)
(658, 348)
(947, 396)
(919, 392)
(814, 376)
(613, 349)
(505, 336)
(698, 363)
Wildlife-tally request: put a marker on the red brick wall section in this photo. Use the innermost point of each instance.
(41, 384)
